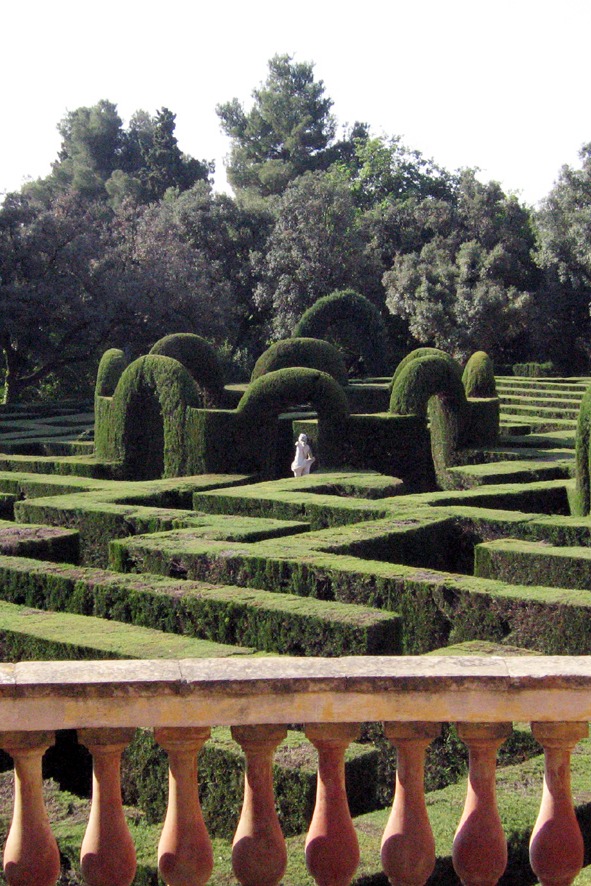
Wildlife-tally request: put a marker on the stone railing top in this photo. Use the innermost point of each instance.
(196, 692)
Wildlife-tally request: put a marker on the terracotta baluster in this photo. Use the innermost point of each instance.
(31, 856)
(480, 848)
(185, 855)
(556, 845)
(107, 855)
(408, 847)
(332, 850)
(259, 857)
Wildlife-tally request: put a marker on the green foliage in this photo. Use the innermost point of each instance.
(582, 498)
(384, 170)
(311, 352)
(351, 321)
(479, 376)
(286, 133)
(199, 358)
(276, 391)
(425, 377)
(110, 369)
(465, 279)
(533, 563)
(98, 158)
(535, 370)
(315, 247)
(482, 424)
(149, 418)
(432, 385)
(221, 780)
(390, 444)
(424, 352)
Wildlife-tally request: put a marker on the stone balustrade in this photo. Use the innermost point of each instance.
(258, 697)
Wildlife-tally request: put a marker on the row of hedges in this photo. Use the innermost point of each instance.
(221, 780)
(227, 615)
(534, 563)
(31, 635)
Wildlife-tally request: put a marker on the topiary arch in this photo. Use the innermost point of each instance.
(432, 383)
(348, 318)
(277, 391)
(201, 361)
(425, 352)
(148, 418)
(314, 353)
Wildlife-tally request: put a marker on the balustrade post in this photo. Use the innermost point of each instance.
(259, 856)
(408, 847)
(556, 847)
(480, 848)
(107, 855)
(185, 854)
(332, 849)
(31, 856)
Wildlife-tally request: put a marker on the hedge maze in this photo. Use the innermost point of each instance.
(448, 509)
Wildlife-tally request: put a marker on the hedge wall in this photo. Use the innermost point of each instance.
(479, 376)
(200, 359)
(352, 319)
(534, 563)
(221, 780)
(226, 615)
(313, 353)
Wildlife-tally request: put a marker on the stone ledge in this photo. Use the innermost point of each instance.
(39, 695)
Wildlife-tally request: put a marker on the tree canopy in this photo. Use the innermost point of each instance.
(99, 158)
(287, 132)
(125, 241)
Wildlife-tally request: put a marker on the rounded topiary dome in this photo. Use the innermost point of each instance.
(346, 315)
(418, 353)
(479, 376)
(109, 371)
(199, 358)
(277, 391)
(312, 353)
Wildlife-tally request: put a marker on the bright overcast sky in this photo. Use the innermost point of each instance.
(503, 85)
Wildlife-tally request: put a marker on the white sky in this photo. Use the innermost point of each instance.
(500, 85)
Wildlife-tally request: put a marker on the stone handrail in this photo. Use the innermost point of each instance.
(258, 697)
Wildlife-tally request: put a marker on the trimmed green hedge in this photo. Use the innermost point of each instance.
(535, 370)
(311, 352)
(31, 635)
(418, 354)
(368, 398)
(201, 361)
(432, 385)
(482, 422)
(40, 542)
(347, 317)
(276, 391)
(395, 445)
(221, 780)
(582, 498)
(228, 615)
(148, 417)
(479, 376)
(534, 563)
(110, 369)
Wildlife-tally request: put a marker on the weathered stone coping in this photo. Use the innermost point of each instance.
(52, 695)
